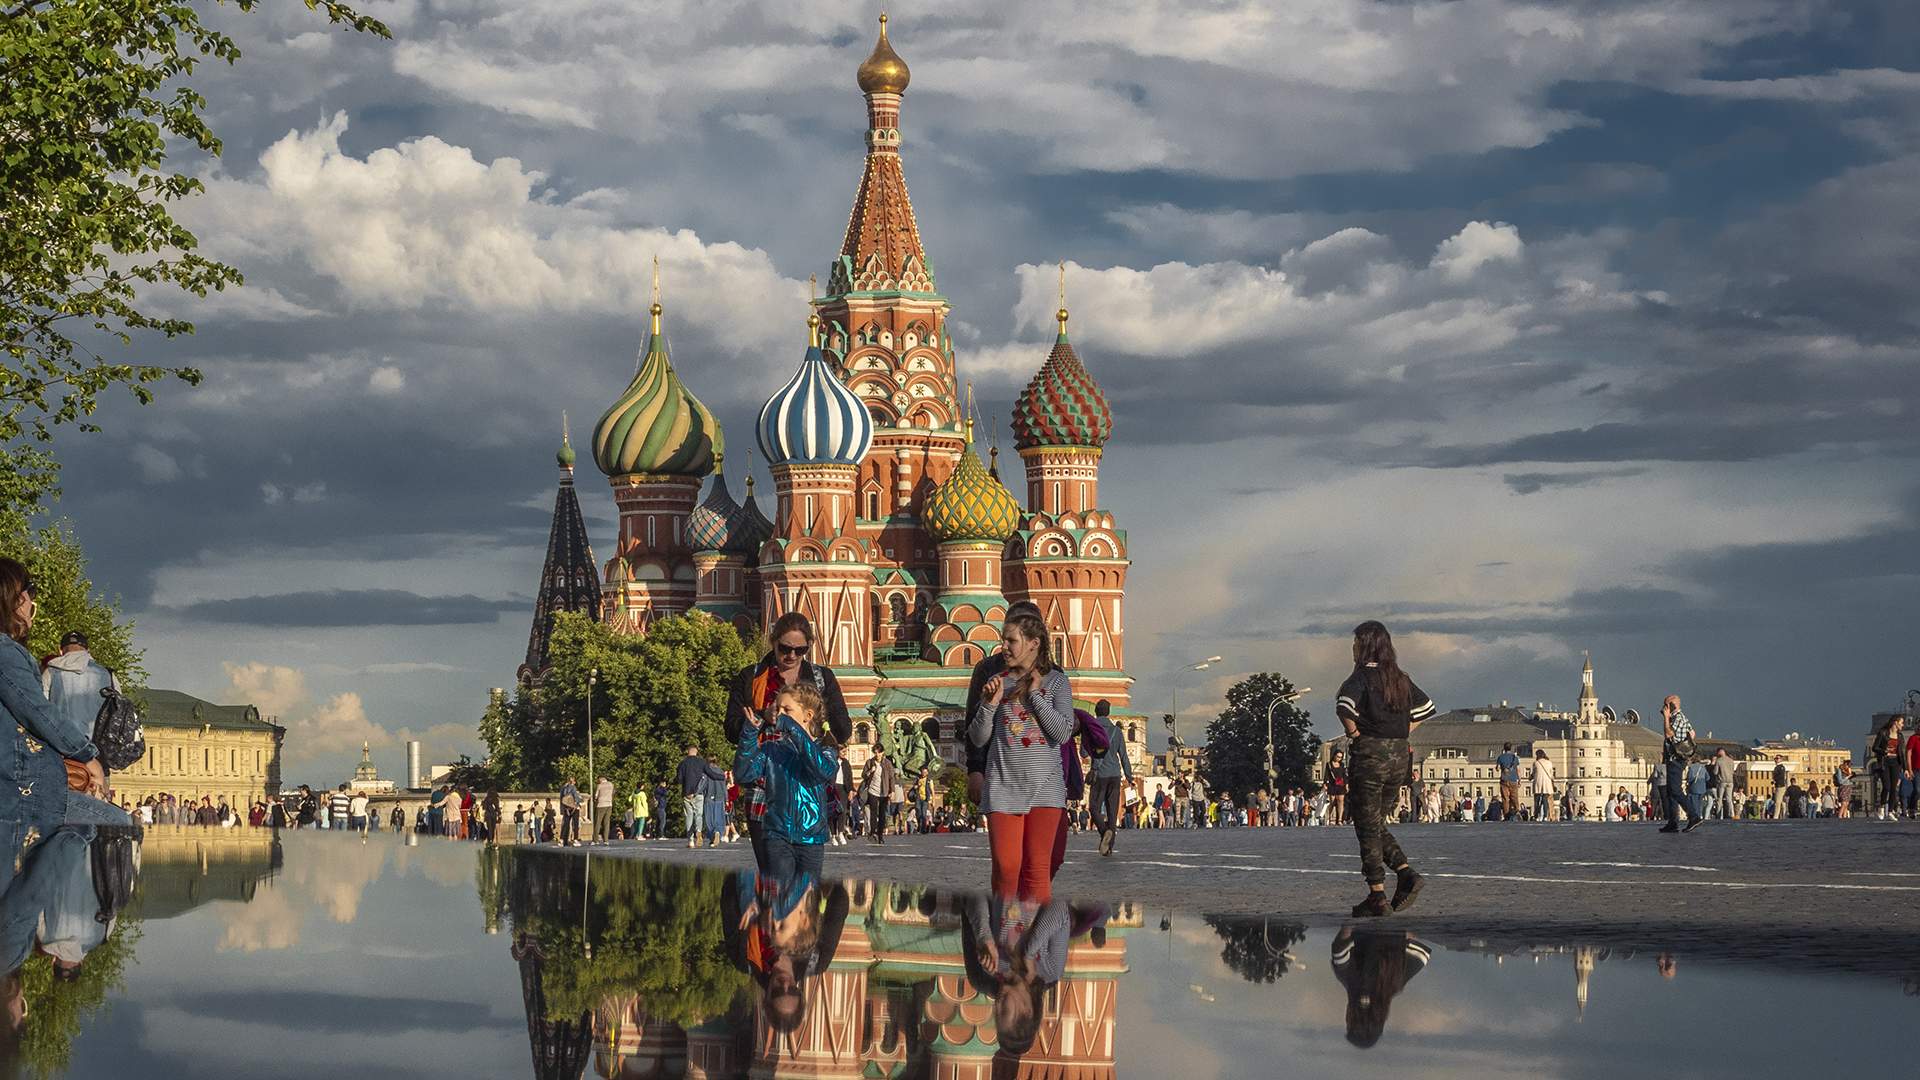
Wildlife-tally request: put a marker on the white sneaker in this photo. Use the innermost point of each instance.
(690, 841)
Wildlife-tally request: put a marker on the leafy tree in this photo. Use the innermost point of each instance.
(92, 94)
(654, 695)
(1237, 739)
(1255, 946)
(952, 781)
(65, 594)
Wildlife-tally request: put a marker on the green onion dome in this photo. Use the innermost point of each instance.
(657, 426)
(972, 505)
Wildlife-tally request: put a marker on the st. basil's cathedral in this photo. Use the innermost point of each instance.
(888, 531)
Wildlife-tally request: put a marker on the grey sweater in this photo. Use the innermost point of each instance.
(1023, 740)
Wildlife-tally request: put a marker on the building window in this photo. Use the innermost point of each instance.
(873, 505)
(179, 759)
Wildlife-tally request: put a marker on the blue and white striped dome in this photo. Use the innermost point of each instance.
(815, 419)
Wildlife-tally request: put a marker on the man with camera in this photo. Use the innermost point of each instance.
(1676, 753)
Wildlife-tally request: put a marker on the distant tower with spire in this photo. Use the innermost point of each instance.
(656, 444)
(569, 580)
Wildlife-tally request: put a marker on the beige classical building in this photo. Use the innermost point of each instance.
(196, 748)
(1591, 757)
(1806, 760)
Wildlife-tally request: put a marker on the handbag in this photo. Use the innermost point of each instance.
(77, 777)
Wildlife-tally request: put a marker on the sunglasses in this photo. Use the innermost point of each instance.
(793, 650)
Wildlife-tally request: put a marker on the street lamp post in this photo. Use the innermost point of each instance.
(1174, 722)
(1273, 778)
(593, 677)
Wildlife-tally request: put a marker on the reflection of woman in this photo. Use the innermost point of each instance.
(1016, 952)
(783, 934)
(1374, 966)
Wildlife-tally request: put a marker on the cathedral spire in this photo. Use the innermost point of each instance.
(569, 581)
(882, 251)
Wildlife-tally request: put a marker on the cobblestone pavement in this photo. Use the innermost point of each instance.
(1833, 894)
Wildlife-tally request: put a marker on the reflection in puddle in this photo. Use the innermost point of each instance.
(234, 953)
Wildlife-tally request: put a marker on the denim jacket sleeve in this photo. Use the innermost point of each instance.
(814, 762)
(20, 694)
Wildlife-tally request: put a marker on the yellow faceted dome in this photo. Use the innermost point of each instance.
(884, 72)
(973, 505)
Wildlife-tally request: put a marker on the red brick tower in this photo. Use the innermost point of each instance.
(885, 331)
(1067, 556)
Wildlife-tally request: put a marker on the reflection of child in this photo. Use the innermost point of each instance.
(797, 767)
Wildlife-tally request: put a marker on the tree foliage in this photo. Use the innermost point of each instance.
(1257, 947)
(65, 594)
(1237, 739)
(93, 95)
(654, 695)
(621, 929)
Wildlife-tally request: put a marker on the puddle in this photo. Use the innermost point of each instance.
(240, 954)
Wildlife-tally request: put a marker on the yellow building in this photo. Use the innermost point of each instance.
(197, 748)
(1806, 760)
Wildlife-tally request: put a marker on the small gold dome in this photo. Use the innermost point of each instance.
(884, 72)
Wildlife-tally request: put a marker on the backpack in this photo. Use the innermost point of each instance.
(118, 732)
(1683, 748)
(115, 865)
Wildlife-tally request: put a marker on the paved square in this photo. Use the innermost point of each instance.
(1835, 894)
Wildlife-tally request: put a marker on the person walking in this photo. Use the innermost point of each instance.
(692, 774)
(1380, 707)
(1676, 752)
(569, 813)
(1337, 788)
(1545, 786)
(1910, 774)
(1509, 765)
(637, 811)
(602, 810)
(1112, 774)
(1886, 763)
(1779, 788)
(1723, 783)
(1026, 713)
(750, 702)
(876, 787)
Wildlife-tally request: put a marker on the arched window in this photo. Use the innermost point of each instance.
(897, 608)
(873, 506)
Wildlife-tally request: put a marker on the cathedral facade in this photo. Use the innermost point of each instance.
(888, 530)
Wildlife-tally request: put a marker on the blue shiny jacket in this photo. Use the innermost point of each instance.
(797, 770)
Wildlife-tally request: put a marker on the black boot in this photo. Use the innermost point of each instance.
(1373, 907)
(1408, 888)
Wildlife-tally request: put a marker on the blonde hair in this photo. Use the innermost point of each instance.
(807, 696)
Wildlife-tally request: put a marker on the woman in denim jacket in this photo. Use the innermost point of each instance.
(34, 797)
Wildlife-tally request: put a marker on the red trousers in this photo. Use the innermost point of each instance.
(1023, 847)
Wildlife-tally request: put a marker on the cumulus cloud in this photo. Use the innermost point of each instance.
(425, 224)
(315, 729)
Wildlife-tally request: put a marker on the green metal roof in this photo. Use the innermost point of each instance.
(171, 708)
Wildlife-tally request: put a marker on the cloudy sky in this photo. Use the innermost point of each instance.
(1531, 328)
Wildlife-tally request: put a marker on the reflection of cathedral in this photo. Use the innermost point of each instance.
(887, 530)
(894, 1002)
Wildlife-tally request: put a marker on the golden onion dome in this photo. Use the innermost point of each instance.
(972, 505)
(884, 72)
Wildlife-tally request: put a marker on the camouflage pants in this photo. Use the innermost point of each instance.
(1377, 772)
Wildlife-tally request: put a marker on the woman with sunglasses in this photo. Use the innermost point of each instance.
(34, 794)
(750, 700)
